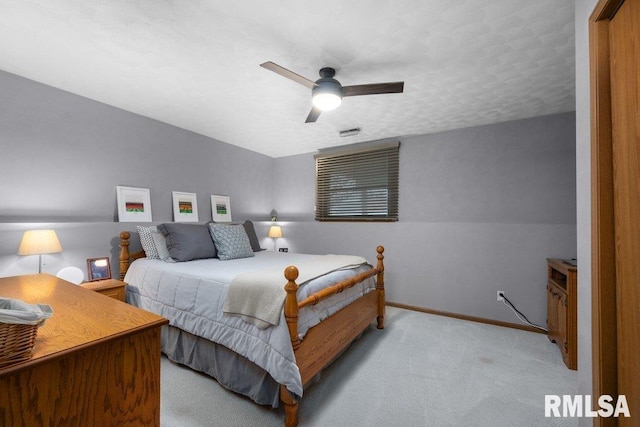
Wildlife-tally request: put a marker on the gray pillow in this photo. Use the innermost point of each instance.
(187, 242)
(253, 237)
(231, 241)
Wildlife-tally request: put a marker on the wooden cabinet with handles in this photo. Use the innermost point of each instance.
(562, 319)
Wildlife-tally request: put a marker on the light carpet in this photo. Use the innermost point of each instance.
(421, 370)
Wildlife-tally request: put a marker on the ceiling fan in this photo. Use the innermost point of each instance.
(327, 92)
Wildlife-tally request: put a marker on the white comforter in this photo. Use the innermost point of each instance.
(192, 294)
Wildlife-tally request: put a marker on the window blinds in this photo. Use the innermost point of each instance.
(358, 184)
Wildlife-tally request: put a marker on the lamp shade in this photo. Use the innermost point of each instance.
(327, 101)
(38, 242)
(327, 95)
(275, 231)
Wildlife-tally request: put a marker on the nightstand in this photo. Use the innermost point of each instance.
(110, 287)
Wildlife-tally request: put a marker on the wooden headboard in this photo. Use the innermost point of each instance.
(125, 256)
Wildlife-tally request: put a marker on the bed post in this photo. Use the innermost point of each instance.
(291, 305)
(291, 315)
(290, 407)
(380, 286)
(124, 253)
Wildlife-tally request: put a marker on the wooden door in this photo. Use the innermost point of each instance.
(625, 121)
(615, 93)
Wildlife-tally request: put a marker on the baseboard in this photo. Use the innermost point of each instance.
(465, 317)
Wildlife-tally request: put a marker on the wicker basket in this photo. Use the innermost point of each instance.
(16, 342)
(19, 324)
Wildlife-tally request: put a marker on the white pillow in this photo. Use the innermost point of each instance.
(161, 246)
(147, 241)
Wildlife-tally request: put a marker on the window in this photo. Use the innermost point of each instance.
(358, 184)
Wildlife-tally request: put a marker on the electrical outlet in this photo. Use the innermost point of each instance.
(500, 296)
(283, 250)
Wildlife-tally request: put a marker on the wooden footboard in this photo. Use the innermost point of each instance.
(329, 338)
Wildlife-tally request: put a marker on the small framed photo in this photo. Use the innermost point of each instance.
(185, 207)
(134, 204)
(98, 269)
(221, 208)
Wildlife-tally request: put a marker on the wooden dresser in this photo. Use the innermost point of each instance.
(562, 309)
(96, 361)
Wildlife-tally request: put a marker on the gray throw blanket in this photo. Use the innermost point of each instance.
(258, 296)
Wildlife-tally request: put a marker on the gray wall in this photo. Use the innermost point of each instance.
(481, 208)
(480, 211)
(63, 156)
(583, 10)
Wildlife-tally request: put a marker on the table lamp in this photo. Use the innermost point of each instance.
(39, 242)
(275, 231)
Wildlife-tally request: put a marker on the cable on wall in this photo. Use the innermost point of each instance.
(519, 315)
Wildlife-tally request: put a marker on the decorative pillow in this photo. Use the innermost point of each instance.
(231, 241)
(161, 245)
(253, 237)
(146, 240)
(187, 242)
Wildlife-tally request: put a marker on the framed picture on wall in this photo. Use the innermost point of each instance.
(134, 204)
(221, 208)
(98, 269)
(185, 207)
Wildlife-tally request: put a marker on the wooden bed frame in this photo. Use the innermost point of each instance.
(329, 338)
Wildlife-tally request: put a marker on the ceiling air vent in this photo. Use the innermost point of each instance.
(350, 132)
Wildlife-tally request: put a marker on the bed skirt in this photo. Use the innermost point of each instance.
(231, 370)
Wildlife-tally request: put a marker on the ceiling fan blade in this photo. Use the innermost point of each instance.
(288, 74)
(373, 89)
(313, 115)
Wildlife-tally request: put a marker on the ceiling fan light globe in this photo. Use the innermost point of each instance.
(326, 101)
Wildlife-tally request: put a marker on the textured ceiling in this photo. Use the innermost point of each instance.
(195, 64)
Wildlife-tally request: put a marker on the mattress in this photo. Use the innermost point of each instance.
(191, 296)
